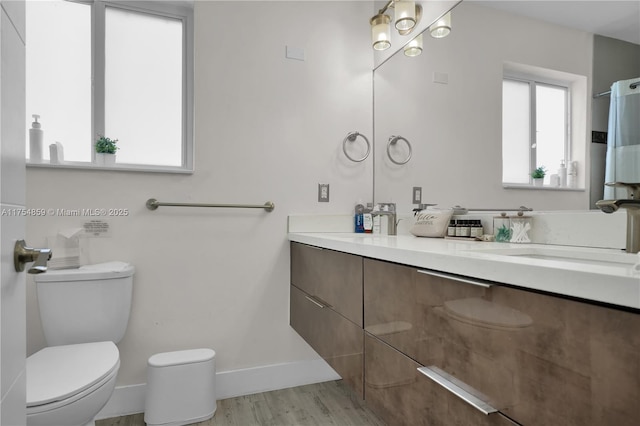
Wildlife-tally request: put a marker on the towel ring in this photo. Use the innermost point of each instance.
(352, 136)
(392, 141)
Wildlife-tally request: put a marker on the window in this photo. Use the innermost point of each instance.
(132, 83)
(535, 128)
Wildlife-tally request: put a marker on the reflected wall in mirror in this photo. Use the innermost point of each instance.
(448, 103)
(613, 60)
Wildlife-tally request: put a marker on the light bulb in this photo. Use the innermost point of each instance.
(405, 14)
(380, 32)
(442, 27)
(414, 47)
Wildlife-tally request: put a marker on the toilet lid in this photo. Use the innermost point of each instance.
(58, 372)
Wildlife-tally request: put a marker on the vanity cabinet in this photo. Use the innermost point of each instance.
(401, 395)
(331, 277)
(326, 308)
(538, 359)
(336, 339)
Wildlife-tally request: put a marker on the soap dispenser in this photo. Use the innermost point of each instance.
(35, 140)
(562, 173)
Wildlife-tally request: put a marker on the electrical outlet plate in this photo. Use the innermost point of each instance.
(323, 192)
(417, 195)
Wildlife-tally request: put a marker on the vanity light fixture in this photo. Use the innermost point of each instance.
(407, 15)
(414, 47)
(442, 27)
(380, 32)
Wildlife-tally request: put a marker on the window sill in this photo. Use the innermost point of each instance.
(77, 165)
(542, 188)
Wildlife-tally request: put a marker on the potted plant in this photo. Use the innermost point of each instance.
(538, 175)
(106, 151)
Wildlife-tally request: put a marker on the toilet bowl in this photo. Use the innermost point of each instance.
(84, 313)
(67, 385)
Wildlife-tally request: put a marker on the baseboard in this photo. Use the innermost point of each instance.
(130, 399)
(125, 400)
(272, 377)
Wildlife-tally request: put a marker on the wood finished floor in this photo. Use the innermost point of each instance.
(322, 404)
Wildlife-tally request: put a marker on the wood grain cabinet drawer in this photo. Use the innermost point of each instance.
(401, 395)
(539, 359)
(331, 276)
(336, 339)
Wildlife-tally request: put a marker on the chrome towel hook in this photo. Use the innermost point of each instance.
(392, 141)
(351, 137)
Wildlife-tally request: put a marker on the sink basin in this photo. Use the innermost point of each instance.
(601, 257)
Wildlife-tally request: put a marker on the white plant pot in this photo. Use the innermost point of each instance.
(538, 181)
(103, 159)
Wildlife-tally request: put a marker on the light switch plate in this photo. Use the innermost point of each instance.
(323, 192)
(292, 52)
(417, 195)
(440, 77)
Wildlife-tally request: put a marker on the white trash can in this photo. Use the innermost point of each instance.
(180, 387)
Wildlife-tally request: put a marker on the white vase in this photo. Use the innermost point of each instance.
(538, 181)
(105, 159)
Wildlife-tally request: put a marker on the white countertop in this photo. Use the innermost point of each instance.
(615, 283)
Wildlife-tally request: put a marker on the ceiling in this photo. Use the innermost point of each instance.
(610, 18)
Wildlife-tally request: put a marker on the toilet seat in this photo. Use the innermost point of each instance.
(60, 375)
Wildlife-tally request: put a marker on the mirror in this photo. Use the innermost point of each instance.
(430, 11)
(447, 104)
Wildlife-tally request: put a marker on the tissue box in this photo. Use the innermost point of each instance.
(431, 223)
(66, 248)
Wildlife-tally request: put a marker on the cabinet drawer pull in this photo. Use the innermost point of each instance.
(445, 380)
(457, 278)
(319, 303)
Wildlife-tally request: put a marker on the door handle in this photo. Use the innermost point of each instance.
(23, 254)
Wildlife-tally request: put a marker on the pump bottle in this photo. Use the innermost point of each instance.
(562, 173)
(35, 140)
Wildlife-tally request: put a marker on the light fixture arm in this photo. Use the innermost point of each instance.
(386, 6)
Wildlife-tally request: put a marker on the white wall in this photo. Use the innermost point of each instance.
(266, 128)
(456, 128)
(12, 226)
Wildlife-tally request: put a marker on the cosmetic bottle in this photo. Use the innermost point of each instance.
(35, 140)
(359, 218)
(562, 173)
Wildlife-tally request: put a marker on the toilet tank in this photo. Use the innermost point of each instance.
(87, 304)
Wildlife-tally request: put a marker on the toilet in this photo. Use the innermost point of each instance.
(84, 313)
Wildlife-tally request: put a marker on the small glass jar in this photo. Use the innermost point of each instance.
(520, 227)
(502, 228)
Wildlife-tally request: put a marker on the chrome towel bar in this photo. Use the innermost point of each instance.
(153, 204)
(458, 210)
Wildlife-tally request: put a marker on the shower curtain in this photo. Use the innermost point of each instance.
(623, 138)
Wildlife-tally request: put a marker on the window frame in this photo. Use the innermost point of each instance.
(533, 82)
(168, 9)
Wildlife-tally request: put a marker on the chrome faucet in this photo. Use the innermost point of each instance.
(388, 210)
(632, 205)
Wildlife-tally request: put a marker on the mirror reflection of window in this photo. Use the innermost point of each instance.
(535, 130)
